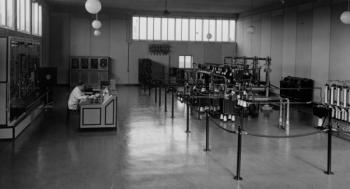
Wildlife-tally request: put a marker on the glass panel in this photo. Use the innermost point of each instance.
(143, 27)
(40, 21)
(157, 28)
(188, 61)
(22, 15)
(27, 15)
(18, 15)
(178, 30)
(171, 29)
(205, 30)
(219, 30)
(212, 30)
(181, 61)
(185, 30)
(199, 30)
(10, 13)
(35, 18)
(135, 28)
(2, 12)
(225, 30)
(232, 36)
(192, 30)
(150, 27)
(164, 29)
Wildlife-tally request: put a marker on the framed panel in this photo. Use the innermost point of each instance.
(109, 113)
(75, 63)
(91, 116)
(94, 63)
(84, 63)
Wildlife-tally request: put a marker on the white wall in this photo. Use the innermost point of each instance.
(304, 41)
(72, 36)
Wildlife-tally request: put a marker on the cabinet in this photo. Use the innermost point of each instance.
(90, 70)
(20, 91)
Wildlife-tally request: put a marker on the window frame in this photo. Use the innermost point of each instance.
(185, 62)
(9, 22)
(199, 21)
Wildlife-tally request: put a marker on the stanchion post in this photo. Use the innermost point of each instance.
(155, 94)
(207, 149)
(149, 90)
(160, 96)
(187, 115)
(172, 102)
(165, 100)
(329, 148)
(239, 148)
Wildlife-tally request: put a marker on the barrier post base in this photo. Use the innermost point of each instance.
(237, 178)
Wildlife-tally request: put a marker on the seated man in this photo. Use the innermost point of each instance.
(75, 96)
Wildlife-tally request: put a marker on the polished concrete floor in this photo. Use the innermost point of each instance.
(150, 151)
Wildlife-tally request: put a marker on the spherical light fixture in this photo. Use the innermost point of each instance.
(96, 24)
(97, 33)
(93, 6)
(345, 16)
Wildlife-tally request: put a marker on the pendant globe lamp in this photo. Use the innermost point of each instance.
(345, 16)
(96, 24)
(97, 33)
(93, 6)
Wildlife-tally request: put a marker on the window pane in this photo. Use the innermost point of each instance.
(212, 30)
(219, 30)
(10, 13)
(232, 30)
(225, 30)
(18, 13)
(40, 21)
(171, 29)
(181, 61)
(143, 27)
(188, 61)
(199, 29)
(164, 29)
(22, 15)
(157, 28)
(35, 18)
(135, 27)
(185, 30)
(192, 36)
(2, 12)
(205, 30)
(178, 30)
(150, 27)
(27, 15)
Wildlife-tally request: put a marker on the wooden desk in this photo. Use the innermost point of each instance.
(99, 115)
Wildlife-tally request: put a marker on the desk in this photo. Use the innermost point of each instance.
(99, 115)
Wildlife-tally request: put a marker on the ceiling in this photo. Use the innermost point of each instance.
(194, 6)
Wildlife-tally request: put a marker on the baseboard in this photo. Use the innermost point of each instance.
(12, 132)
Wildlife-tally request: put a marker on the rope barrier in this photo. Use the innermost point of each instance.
(218, 125)
(280, 136)
(267, 136)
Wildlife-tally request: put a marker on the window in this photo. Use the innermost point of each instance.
(6, 13)
(3, 12)
(185, 61)
(29, 15)
(183, 29)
